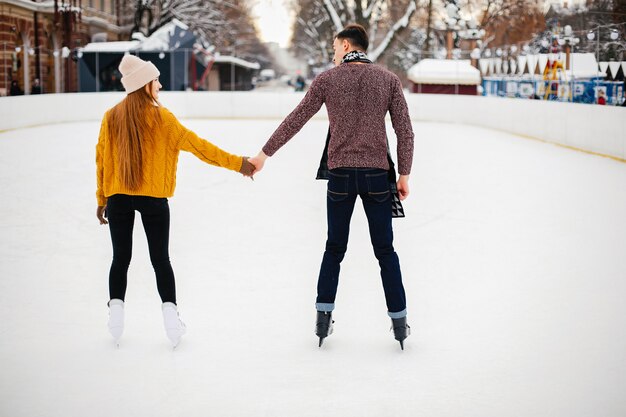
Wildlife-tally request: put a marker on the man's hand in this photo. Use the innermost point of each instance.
(101, 214)
(403, 187)
(258, 161)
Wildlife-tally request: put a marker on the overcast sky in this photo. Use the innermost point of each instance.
(273, 21)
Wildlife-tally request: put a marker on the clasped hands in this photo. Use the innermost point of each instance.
(251, 166)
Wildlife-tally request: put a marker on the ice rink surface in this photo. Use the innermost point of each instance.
(512, 251)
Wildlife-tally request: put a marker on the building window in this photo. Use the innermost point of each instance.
(102, 5)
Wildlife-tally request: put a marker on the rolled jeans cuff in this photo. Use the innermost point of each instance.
(397, 315)
(324, 306)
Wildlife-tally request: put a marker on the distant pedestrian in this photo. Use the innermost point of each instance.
(601, 98)
(36, 87)
(15, 89)
(300, 83)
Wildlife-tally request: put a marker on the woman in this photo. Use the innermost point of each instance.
(136, 158)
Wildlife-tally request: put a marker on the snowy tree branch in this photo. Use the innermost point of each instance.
(403, 22)
(333, 15)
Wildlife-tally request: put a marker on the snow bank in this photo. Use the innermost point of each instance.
(563, 123)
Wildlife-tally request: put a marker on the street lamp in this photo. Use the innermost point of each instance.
(4, 62)
(79, 55)
(452, 10)
(567, 40)
(614, 34)
(591, 36)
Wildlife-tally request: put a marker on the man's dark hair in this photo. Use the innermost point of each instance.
(356, 35)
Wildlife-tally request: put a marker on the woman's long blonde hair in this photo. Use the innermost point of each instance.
(130, 122)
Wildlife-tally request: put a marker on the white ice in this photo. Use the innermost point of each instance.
(512, 252)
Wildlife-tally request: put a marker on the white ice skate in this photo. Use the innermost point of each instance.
(174, 326)
(116, 319)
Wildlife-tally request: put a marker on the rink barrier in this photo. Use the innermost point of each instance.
(599, 130)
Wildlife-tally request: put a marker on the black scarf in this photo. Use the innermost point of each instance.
(356, 56)
(322, 171)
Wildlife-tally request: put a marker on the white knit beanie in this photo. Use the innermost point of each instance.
(136, 73)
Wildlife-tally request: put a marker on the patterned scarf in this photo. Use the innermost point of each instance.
(356, 56)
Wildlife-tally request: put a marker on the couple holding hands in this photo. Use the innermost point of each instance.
(137, 156)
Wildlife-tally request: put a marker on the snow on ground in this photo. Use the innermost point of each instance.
(512, 254)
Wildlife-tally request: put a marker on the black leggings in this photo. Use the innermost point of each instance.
(155, 216)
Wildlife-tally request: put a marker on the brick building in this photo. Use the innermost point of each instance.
(40, 40)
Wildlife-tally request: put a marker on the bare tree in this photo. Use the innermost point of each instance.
(604, 20)
(319, 20)
(205, 17)
(607, 20)
(226, 26)
(240, 35)
(312, 32)
(508, 22)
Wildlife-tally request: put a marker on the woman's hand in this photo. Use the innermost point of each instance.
(101, 214)
(247, 169)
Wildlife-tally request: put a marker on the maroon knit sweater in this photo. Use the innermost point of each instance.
(357, 98)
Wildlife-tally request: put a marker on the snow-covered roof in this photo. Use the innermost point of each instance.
(43, 6)
(444, 71)
(173, 35)
(237, 61)
(583, 66)
(119, 46)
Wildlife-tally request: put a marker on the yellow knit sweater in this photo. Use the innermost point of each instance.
(160, 158)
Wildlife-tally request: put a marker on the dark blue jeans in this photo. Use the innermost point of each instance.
(372, 185)
(155, 216)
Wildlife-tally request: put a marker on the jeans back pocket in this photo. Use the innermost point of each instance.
(337, 186)
(378, 186)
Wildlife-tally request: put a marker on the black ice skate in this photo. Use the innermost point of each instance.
(401, 330)
(324, 325)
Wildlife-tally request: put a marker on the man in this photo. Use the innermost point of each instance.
(357, 95)
(36, 87)
(15, 89)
